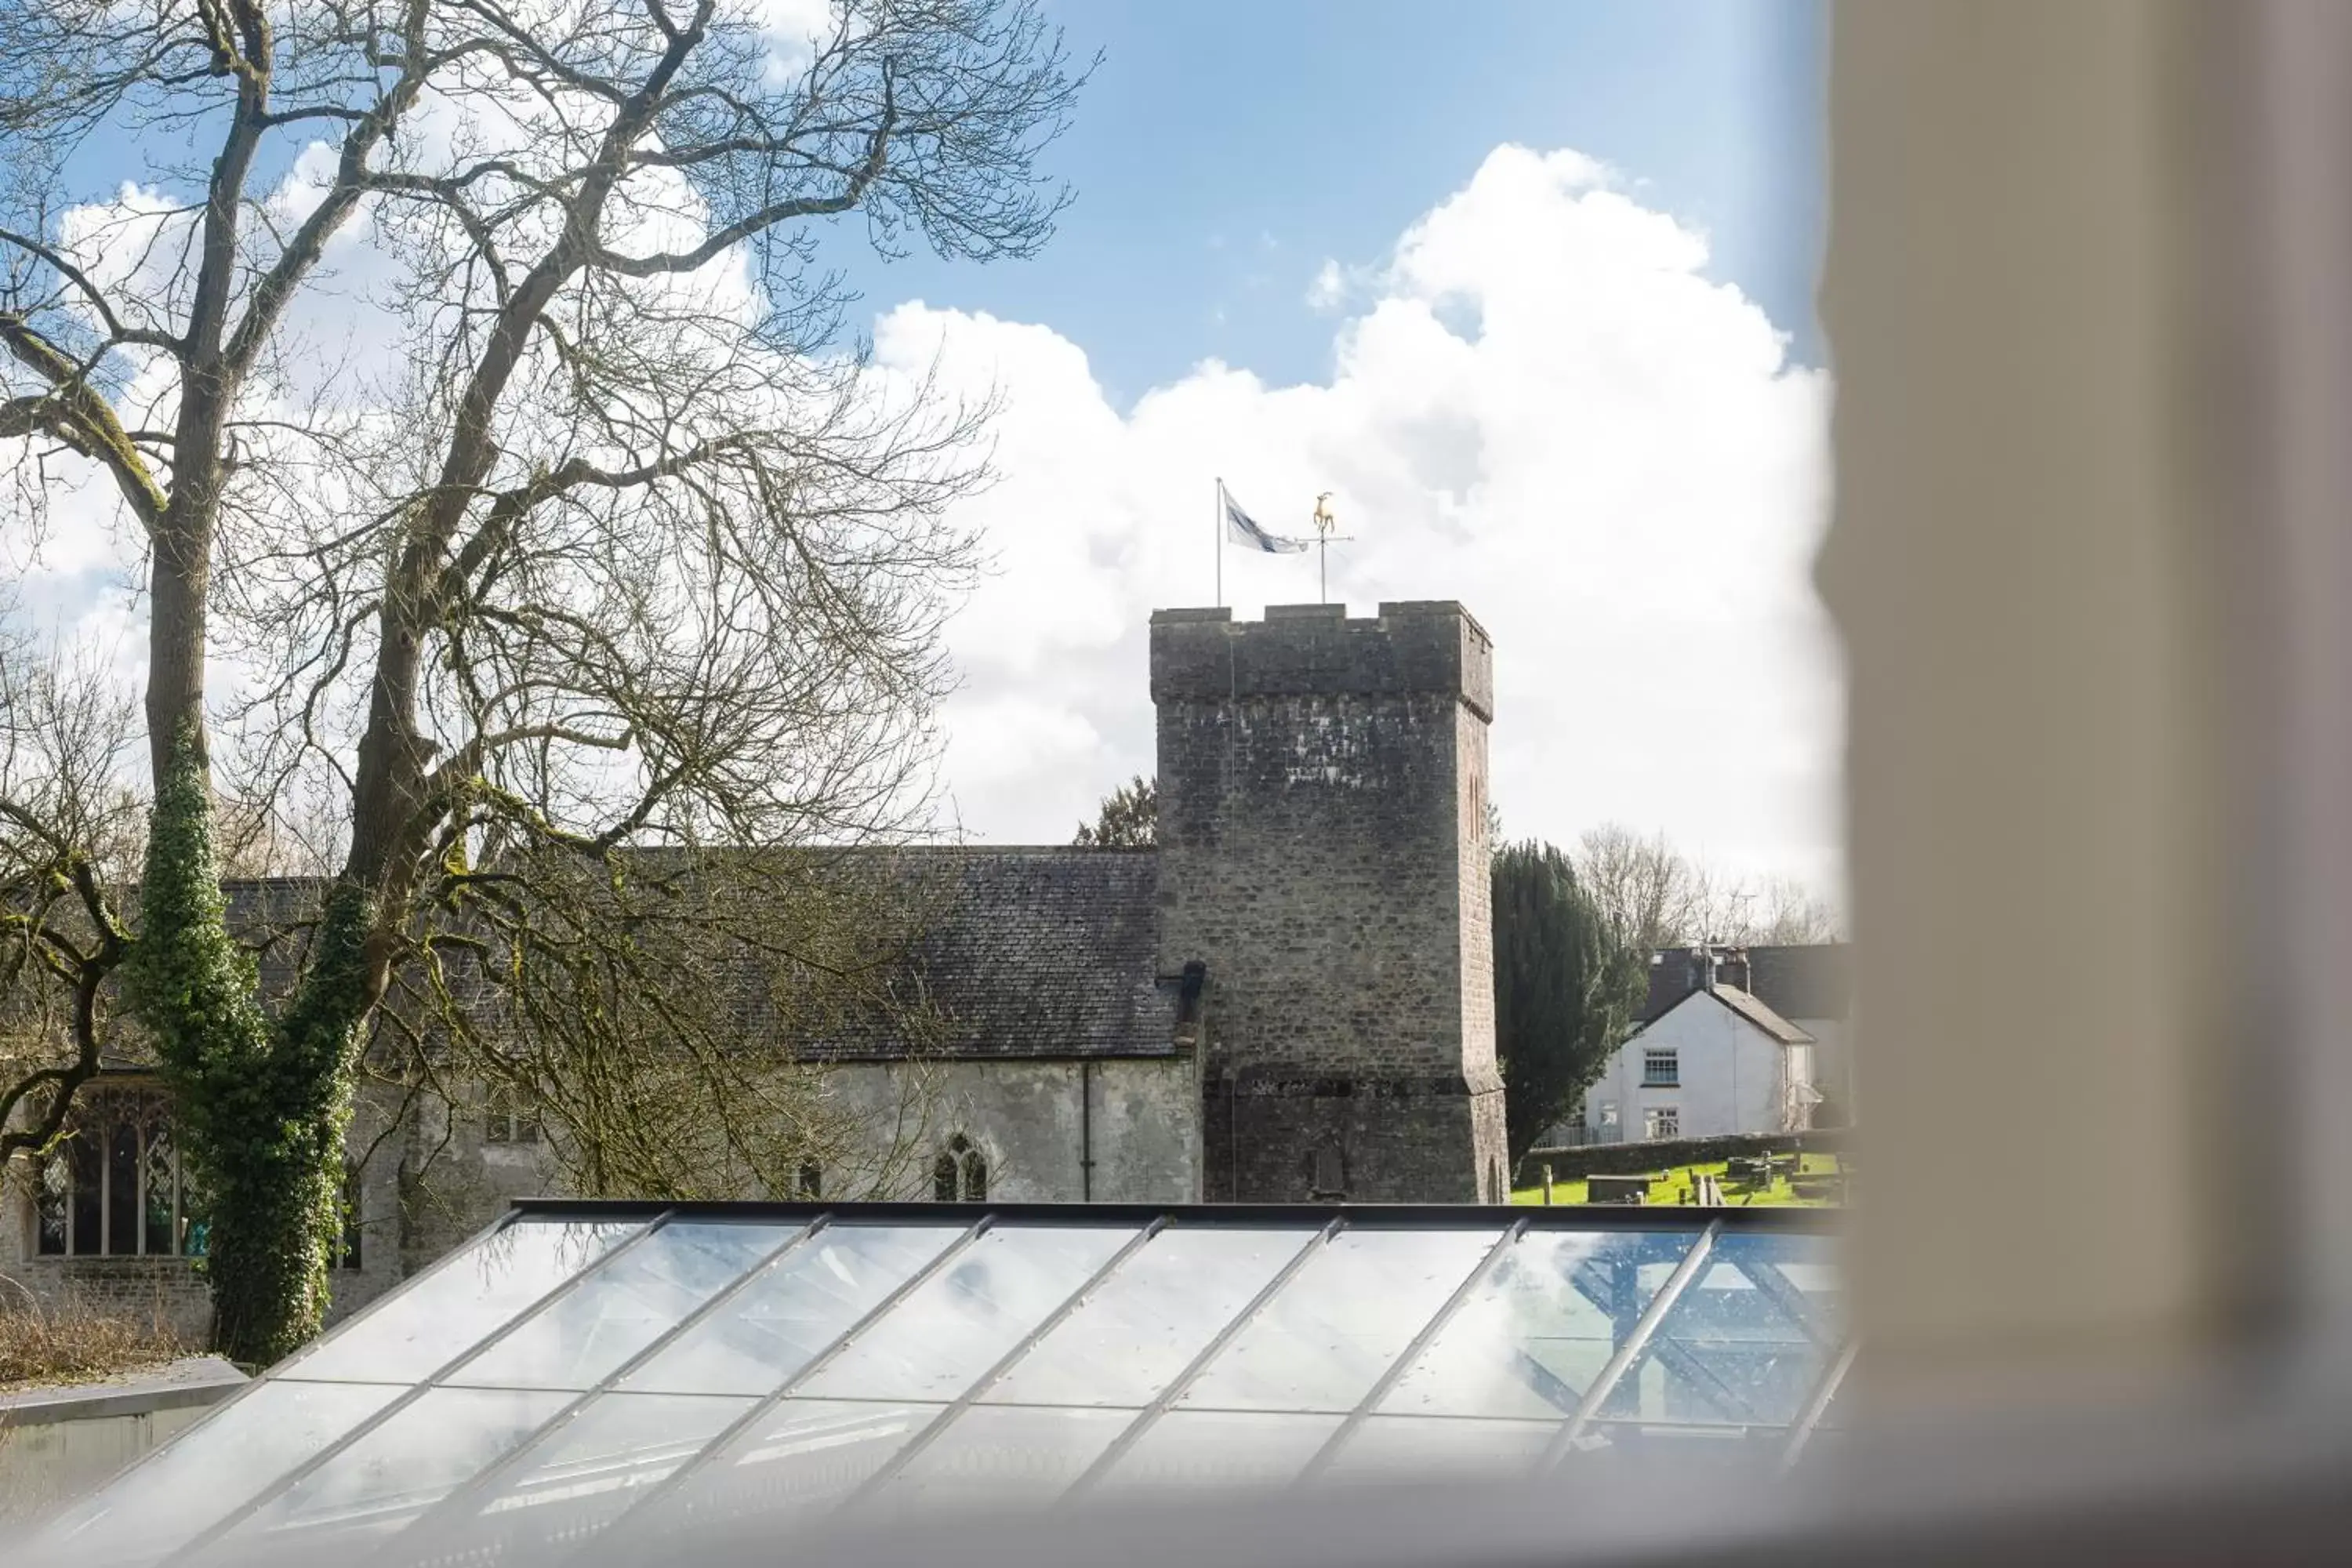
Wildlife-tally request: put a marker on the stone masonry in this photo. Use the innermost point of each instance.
(1322, 804)
(1290, 1000)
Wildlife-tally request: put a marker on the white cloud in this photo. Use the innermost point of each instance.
(1541, 407)
(1333, 286)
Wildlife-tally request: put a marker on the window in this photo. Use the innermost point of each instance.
(1331, 1175)
(111, 1187)
(508, 1116)
(1662, 1068)
(1662, 1121)
(960, 1173)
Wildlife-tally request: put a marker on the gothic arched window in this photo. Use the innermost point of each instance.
(111, 1186)
(960, 1173)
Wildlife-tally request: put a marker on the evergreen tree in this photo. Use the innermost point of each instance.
(1129, 818)
(1566, 985)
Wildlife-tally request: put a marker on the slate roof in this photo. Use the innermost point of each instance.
(1811, 979)
(1746, 1005)
(1763, 1018)
(1049, 952)
(1045, 953)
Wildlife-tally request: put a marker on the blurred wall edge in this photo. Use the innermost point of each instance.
(2093, 559)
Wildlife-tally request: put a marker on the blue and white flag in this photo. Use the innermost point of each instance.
(1243, 529)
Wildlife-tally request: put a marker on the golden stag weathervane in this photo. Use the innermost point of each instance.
(1324, 524)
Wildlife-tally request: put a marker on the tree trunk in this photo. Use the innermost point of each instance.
(257, 1141)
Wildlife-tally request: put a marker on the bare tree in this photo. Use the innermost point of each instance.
(1790, 912)
(1651, 895)
(67, 831)
(593, 541)
(1655, 896)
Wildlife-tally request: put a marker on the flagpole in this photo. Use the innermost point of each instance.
(1220, 544)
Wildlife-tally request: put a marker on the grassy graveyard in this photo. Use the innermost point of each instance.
(1675, 1186)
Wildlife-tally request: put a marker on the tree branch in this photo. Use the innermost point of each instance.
(76, 414)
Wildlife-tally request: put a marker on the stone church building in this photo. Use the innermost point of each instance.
(1289, 999)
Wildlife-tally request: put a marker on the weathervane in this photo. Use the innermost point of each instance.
(1324, 524)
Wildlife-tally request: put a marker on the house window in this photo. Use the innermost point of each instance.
(1662, 1068)
(960, 1173)
(1662, 1121)
(508, 1116)
(111, 1187)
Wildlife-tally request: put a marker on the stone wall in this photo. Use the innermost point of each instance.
(170, 1290)
(1667, 1154)
(1038, 1123)
(1322, 796)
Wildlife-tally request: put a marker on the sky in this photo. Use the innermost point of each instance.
(1525, 285)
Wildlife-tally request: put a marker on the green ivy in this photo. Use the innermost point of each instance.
(261, 1109)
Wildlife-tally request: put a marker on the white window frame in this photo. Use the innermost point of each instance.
(1661, 1122)
(1668, 1056)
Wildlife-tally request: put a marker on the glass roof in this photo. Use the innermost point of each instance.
(586, 1368)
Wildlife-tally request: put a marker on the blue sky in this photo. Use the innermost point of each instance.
(1225, 148)
(1588, 405)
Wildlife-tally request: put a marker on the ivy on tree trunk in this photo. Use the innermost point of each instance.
(261, 1106)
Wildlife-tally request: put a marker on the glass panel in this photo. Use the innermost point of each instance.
(999, 1456)
(1410, 1448)
(584, 1476)
(803, 1457)
(1532, 1337)
(394, 1473)
(1328, 1335)
(959, 1323)
(87, 1165)
(195, 1482)
(619, 1310)
(780, 1322)
(474, 1294)
(122, 1188)
(162, 1182)
(1150, 1317)
(1746, 1342)
(1201, 1450)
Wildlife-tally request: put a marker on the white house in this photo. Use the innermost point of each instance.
(1713, 1059)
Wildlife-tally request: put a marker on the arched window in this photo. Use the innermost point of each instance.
(960, 1173)
(111, 1186)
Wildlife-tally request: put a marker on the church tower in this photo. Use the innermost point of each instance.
(1322, 851)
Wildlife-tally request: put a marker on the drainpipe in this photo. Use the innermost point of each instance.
(1085, 1131)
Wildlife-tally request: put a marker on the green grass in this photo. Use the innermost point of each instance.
(1669, 1188)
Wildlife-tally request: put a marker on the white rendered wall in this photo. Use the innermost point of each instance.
(1731, 1075)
